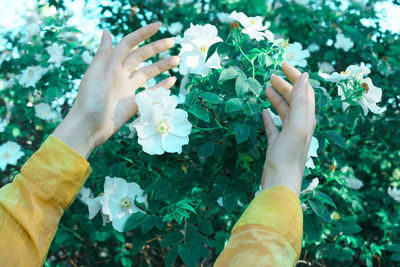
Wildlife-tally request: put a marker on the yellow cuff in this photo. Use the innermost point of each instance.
(58, 170)
(277, 208)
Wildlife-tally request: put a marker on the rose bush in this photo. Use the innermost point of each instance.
(188, 165)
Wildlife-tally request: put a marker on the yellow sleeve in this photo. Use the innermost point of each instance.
(268, 233)
(32, 205)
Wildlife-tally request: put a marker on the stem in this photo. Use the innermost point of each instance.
(213, 113)
(251, 62)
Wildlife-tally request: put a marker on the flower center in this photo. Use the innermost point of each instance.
(365, 86)
(346, 72)
(126, 203)
(45, 113)
(252, 22)
(203, 48)
(162, 127)
(291, 55)
(155, 103)
(6, 155)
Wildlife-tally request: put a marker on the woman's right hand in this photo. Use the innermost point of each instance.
(287, 149)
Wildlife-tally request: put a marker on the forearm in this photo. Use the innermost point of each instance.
(75, 133)
(32, 205)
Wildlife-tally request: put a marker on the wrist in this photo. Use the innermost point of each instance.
(75, 133)
(286, 176)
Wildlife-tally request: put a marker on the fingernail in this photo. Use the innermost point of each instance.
(158, 24)
(103, 36)
(175, 78)
(303, 81)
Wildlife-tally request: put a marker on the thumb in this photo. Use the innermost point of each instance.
(104, 52)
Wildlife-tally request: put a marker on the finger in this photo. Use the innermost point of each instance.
(283, 87)
(270, 128)
(166, 84)
(290, 72)
(148, 72)
(300, 104)
(122, 49)
(278, 102)
(145, 52)
(103, 54)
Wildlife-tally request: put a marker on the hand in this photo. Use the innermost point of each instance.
(106, 97)
(287, 150)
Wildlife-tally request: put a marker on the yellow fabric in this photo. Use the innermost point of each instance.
(268, 233)
(32, 205)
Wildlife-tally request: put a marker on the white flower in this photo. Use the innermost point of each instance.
(295, 56)
(32, 26)
(352, 72)
(253, 26)
(43, 111)
(370, 97)
(345, 105)
(276, 118)
(325, 67)
(313, 47)
(354, 183)
(394, 193)
(343, 42)
(93, 203)
(195, 44)
(56, 53)
(311, 187)
(224, 17)
(118, 201)
(175, 28)
(160, 126)
(312, 152)
(86, 57)
(31, 75)
(3, 125)
(10, 153)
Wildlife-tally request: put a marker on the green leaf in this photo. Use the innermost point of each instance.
(242, 132)
(320, 210)
(189, 253)
(147, 224)
(254, 86)
(229, 74)
(200, 112)
(233, 104)
(336, 137)
(206, 227)
(210, 97)
(324, 198)
(241, 86)
(171, 239)
(395, 257)
(212, 50)
(171, 256)
(134, 221)
(312, 227)
(206, 150)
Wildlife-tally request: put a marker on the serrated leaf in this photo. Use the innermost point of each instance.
(206, 150)
(336, 137)
(324, 198)
(210, 97)
(171, 239)
(320, 210)
(229, 74)
(200, 112)
(254, 86)
(241, 86)
(233, 104)
(189, 253)
(242, 133)
(213, 48)
(134, 221)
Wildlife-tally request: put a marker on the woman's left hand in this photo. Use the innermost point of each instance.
(106, 97)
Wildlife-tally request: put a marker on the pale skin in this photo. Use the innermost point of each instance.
(106, 101)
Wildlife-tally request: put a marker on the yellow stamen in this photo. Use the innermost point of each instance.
(162, 127)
